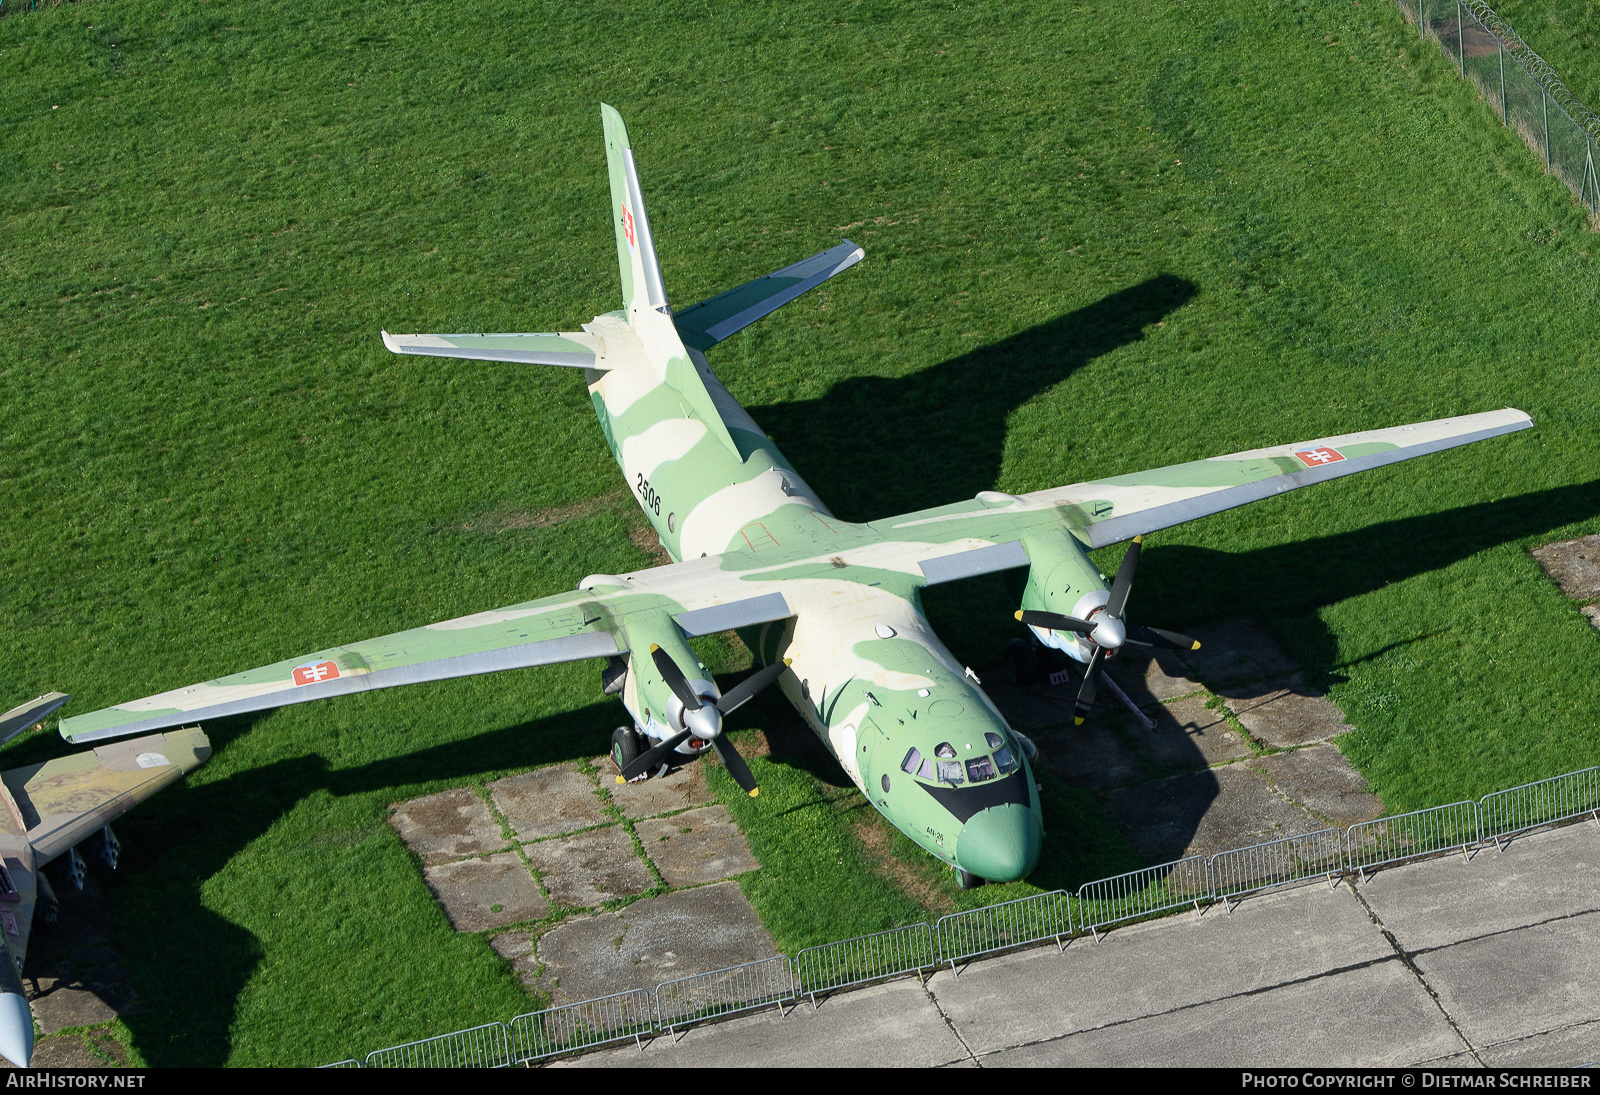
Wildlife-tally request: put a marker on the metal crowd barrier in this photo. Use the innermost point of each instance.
(1143, 893)
(865, 958)
(767, 982)
(1407, 836)
(1519, 809)
(1328, 853)
(991, 928)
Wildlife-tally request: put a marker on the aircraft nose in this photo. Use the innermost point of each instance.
(1001, 843)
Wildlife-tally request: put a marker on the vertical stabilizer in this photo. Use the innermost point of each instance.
(636, 251)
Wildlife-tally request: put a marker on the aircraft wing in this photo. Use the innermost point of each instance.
(586, 623)
(991, 532)
(47, 808)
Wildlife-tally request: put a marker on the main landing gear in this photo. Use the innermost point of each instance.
(626, 745)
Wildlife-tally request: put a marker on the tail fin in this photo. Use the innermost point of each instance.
(636, 251)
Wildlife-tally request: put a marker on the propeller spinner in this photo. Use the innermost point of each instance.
(702, 718)
(1107, 630)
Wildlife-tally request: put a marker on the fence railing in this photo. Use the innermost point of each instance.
(1526, 92)
(961, 936)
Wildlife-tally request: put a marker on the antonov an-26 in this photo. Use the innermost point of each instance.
(830, 608)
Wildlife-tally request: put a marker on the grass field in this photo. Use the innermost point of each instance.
(1099, 238)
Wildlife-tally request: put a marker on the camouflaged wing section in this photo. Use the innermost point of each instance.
(566, 627)
(19, 718)
(1153, 500)
(65, 800)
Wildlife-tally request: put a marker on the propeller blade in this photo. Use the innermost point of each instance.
(746, 689)
(675, 679)
(1124, 580)
(737, 768)
(651, 757)
(1055, 621)
(1091, 678)
(1155, 636)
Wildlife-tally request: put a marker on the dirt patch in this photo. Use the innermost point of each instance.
(497, 521)
(1575, 566)
(645, 539)
(878, 841)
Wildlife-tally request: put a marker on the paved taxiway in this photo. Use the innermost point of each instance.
(1455, 962)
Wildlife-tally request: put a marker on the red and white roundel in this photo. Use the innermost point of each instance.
(1315, 458)
(311, 673)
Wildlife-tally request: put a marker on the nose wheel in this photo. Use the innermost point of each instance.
(968, 880)
(625, 746)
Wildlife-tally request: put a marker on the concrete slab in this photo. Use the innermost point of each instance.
(676, 790)
(547, 801)
(1095, 754)
(655, 939)
(1236, 650)
(590, 868)
(486, 893)
(1159, 967)
(1374, 1017)
(1208, 812)
(1521, 982)
(64, 1051)
(1152, 677)
(1320, 779)
(1188, 735)
(60, 1004)
(1575, 1046)
(696, 846)
(447, 826)
(517, 948)
(1285, 712)
(1575, 566)
(886, 1026)
(1442, 901)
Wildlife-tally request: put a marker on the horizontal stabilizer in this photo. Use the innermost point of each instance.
(573, 351)
(705, 324)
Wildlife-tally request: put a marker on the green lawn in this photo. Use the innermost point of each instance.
(1100, 238)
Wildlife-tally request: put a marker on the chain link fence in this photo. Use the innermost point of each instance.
(1526, 92)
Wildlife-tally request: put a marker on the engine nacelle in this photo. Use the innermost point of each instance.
(1062, 579)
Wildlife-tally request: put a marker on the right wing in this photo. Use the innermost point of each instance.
(587, 623)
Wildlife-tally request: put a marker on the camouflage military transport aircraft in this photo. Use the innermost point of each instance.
(48, 810)
(830, 608)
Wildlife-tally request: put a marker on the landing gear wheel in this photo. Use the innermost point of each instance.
(1024, 662)
(625, 746)
(968, 880)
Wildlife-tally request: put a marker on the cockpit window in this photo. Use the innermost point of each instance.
(945, 751)
(1006, 761)
(916, 765)
(951, 772)
(980, 769)
(995, 740)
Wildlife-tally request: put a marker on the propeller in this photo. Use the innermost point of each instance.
(702, 718)
(1108, 631)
